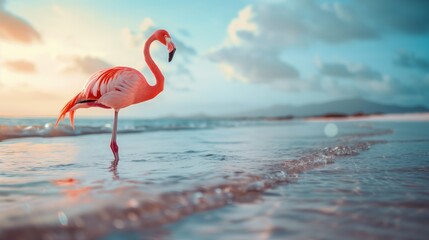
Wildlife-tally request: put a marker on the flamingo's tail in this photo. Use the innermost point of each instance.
(66, 109)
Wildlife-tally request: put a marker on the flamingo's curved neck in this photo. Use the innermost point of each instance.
(159, 86)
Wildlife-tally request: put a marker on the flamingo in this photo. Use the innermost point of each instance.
(119, 87)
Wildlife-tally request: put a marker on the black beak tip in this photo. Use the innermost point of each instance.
(170, 55)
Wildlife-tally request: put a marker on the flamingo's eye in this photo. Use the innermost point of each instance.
(167, 39)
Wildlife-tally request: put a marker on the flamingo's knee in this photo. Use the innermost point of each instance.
(114, 147)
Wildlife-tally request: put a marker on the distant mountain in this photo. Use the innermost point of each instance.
(348, 107)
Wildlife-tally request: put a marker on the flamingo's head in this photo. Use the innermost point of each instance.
(164, 37)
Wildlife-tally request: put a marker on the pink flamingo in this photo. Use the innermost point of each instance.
(120, 87)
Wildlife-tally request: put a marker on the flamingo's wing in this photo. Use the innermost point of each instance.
(110, 88)
(105, 81)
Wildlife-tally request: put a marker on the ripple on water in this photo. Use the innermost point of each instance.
(156, 210)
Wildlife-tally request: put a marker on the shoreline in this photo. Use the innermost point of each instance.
(409, 117)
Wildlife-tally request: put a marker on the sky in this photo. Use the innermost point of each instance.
(232, 56)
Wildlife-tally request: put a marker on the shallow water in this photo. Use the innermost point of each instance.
(217, 180)
(381, 193)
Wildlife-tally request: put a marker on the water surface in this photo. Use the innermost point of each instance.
(214, 179)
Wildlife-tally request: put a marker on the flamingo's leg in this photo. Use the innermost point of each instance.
(113, 144)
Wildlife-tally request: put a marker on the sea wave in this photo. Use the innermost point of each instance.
(48, 130)
(45, 128)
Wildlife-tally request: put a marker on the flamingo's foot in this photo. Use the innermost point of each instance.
(115, 163)
(114, 169)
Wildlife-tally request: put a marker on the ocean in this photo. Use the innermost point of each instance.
(214, 179)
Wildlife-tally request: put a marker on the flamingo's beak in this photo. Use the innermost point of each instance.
(171, 48)
(171, 54)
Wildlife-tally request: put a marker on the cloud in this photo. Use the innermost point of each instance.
(261, 32)
(408, 17)
(183, 57)
(241, 24)
(253, 66)
(411, 60)
(349, 71)
(186, 51)
(291, 23)
(20, 66)
(146, 28)
(16, 29)
(84, 64)
(352, 79)
(136, 38)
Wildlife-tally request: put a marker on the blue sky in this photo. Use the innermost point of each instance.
(232, 56)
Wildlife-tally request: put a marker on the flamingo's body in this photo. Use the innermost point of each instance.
(120, 87)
